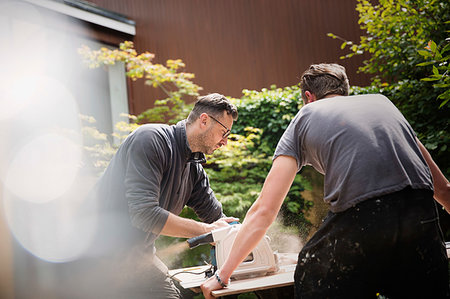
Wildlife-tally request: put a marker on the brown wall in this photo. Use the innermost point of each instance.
(235, 44)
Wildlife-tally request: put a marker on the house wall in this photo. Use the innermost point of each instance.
(235, 44)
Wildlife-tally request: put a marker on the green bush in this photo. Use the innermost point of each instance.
(237, 171)
(439, 58)
(395, 31)
(271, 110)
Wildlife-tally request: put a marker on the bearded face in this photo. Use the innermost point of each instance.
(208, 141)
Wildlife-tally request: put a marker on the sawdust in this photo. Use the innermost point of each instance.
(169, 253)
(283, 239)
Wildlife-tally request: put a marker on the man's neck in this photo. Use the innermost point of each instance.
(332, 96)
(190, 137)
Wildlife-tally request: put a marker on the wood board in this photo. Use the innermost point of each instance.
(283, 277)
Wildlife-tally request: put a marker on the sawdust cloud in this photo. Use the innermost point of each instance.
(284, 239)
(171, 253)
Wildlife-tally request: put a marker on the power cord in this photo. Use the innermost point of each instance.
(208, 272)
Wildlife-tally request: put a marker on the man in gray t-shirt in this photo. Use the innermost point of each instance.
(382, 233)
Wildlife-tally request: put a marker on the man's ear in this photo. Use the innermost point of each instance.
(310, 97)
(203, 119)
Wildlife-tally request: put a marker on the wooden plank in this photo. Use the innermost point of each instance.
(257, 284)
(188, 280)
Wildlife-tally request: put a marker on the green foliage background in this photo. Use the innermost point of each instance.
(271, 110)
(237, 171)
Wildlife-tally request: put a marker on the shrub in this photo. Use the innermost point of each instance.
(395, 30)
(98, 147)
(439, 58)
(271, 110)
(237, 171)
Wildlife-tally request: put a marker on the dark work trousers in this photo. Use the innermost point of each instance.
(137, 274)
(391, 245)
(142, 275)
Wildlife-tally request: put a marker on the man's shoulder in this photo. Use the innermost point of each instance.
(376, 97)
(374, 101)
(151, 136)
(343, 102)
(152, 128)
(153, 131)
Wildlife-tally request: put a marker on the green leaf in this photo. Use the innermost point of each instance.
(435, 71)
(425, 53)
(443, 103)
(429, 79)
(426, 63)
(446, 48)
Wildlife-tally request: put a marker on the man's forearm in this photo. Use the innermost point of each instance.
(248, 238)
(177, 226)
(262, 213)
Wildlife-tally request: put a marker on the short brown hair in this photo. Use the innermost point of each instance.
(213, 104)
(325, 79)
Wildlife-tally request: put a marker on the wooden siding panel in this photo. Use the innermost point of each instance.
(235, 44)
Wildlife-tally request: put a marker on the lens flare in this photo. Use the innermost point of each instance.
(57, 231)
(43, 169)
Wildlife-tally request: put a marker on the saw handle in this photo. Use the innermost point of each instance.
(200, 240)
(205, 238)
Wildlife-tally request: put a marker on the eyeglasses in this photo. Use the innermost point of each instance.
(227, 133)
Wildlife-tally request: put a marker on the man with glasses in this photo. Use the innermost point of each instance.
(156, 172)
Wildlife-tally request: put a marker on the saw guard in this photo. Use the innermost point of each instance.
(260, 261)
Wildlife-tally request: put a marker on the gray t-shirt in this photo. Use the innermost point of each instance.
(362, 144)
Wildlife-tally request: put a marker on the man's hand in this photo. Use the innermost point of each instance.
(223, 222)
(177, 226)
(211, 284)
